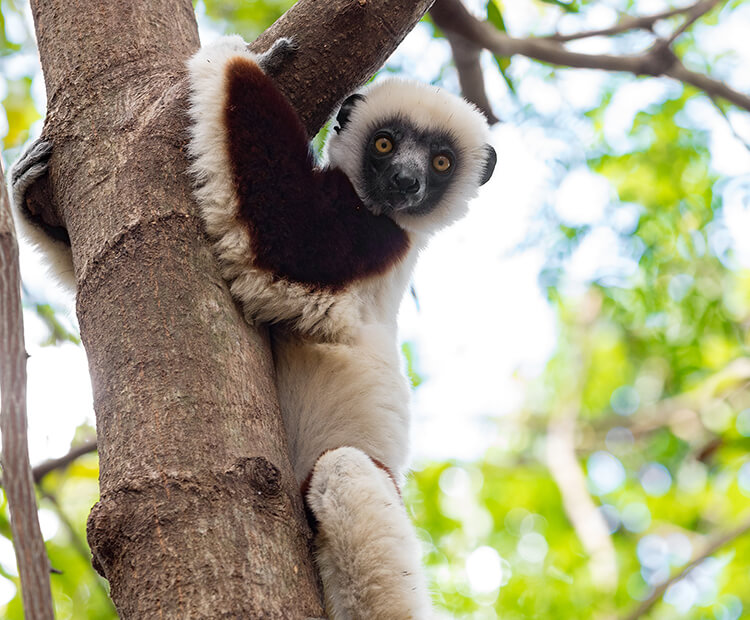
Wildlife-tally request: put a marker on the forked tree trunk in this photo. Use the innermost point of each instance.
(199, 515)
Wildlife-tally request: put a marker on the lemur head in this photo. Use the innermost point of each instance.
(413, 152)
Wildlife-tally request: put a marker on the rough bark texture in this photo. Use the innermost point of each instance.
(199, 514)
(31, 556)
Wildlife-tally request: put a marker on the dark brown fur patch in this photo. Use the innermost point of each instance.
(306, 225)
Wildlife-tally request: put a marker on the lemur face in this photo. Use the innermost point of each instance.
(406, 170)
(413, 152)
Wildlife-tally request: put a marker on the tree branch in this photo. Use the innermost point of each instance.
(31, 556)
(466, 56)
(79, 545)
(693, 14)
(587, 521)
(41, 470)
(741, 139)
(659, 60)
(712, 547)
(626, 24)
(329, 65)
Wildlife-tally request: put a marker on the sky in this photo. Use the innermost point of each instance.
(481, 328)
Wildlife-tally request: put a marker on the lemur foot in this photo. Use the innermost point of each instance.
(30, 166)
(368, 552)
(281, 51)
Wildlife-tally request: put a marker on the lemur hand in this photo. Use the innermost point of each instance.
(32, 165)
(281, 50)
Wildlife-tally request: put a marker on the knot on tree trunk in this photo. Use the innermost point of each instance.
(262, 475)
(151, 512)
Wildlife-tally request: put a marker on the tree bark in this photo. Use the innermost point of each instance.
(199, 515)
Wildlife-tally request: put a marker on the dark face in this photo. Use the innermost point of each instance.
(406, 170)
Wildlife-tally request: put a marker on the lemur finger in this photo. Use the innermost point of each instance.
(32, 164)
(37, 152)
(281, 50)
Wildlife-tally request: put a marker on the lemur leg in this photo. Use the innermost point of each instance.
(30, 166)
(367, 551)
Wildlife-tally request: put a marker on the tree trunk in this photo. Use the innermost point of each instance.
(199, 513)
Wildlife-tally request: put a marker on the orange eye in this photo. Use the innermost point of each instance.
(441, 163)
(383, 145)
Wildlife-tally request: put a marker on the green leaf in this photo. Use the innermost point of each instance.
(495, 17)
(568, 7)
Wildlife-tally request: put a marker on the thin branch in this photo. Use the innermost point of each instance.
(713, 88)
(41, 470)
(31, 556)
(626, 24)
(466, 55)
(712, 547)
(695, 12)
(587, 521)
(739, 138)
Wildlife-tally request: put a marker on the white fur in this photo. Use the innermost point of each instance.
(367, 552)
(57, 254)
(341, 389)
(344, 394)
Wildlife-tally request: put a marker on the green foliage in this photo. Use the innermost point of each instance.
(410, 356)
(568, 7)
(247, 18)
(20, 112)
(58, 333)
(65, 497)
(495, 17)
(6, 47)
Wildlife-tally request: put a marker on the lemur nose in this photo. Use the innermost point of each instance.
(405, 183)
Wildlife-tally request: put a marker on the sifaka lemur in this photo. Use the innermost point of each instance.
(323, 254)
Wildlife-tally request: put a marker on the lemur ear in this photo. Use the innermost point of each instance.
(346, 109)
(489, 163)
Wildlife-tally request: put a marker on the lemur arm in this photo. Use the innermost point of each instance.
(292, 239)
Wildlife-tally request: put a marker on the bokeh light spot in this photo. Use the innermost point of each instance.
(743, 478)
(625, 400)
(486, 570)
(655, 479)
(533, 548)
(636, 517)
(605, 473)
(743, 423)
